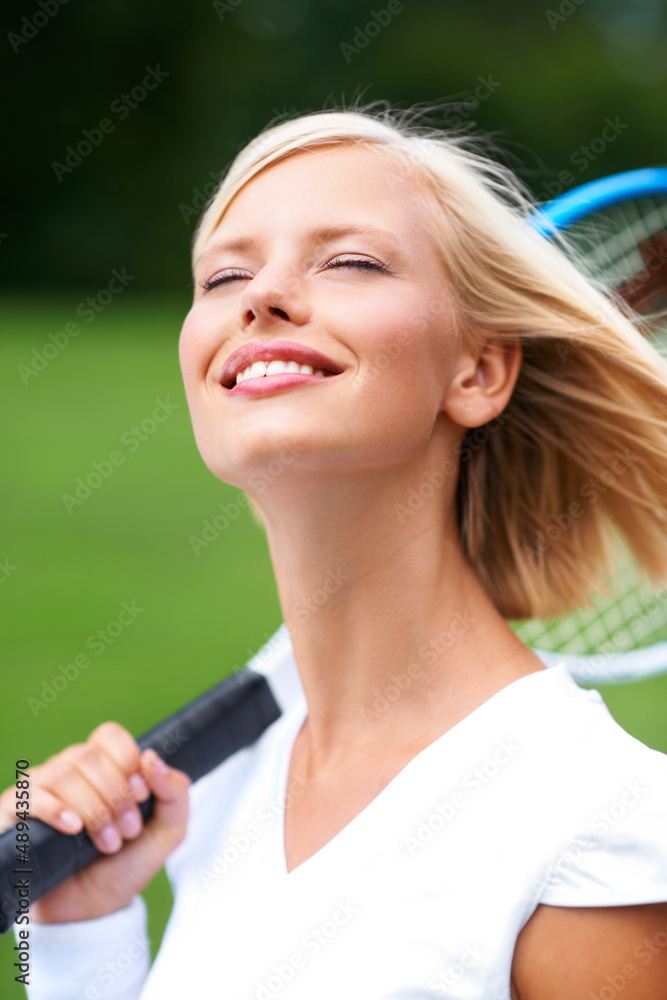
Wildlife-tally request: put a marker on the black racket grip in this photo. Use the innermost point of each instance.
(197, 738)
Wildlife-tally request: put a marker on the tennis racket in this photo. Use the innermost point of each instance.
(619, 225)
(217, 724)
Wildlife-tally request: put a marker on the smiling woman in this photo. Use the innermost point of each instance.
(455, 844)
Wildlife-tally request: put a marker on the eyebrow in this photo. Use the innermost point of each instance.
(318, 235)
(329, 234)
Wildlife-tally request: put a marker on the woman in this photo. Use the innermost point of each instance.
(368, 297)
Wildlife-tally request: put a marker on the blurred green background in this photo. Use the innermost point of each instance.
(551, 76)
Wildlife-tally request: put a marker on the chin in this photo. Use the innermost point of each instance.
(252, 461)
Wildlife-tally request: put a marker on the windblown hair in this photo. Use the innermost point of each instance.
(591, 393)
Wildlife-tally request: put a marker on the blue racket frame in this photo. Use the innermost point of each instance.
(597, 195)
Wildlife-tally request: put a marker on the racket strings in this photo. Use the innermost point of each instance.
(623, 637)
(626, 248)
(632, 610)
(617, 639)
(611, 241)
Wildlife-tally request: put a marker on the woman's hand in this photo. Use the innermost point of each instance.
(96, 785)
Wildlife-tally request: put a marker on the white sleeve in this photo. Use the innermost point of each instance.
(618, 856)
(102, 959)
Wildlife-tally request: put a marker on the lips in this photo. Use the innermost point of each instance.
(274, 350)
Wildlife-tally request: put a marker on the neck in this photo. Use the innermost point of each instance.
(378, 596)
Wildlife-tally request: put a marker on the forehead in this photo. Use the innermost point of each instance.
(338, 184)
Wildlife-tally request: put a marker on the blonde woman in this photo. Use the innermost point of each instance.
(372, 313)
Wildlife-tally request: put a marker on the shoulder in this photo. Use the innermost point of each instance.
(588, 757)
(600, 924)
(592, 951)
(611, 816)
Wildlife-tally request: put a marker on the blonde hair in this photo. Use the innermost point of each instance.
(590, 385)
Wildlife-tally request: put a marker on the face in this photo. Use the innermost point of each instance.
(323, 259)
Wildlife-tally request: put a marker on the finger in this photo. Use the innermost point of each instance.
(142, 858)
(111, 784)
(9, 804)
(63, 780)
(115, 740)
(170, 787)
(50, 809)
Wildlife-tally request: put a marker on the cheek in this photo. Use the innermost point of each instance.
(186, 349)
(198, 344)
(409, 345)
(195, 351)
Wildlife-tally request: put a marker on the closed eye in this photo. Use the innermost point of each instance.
(236, 275)
(363, 262)
(232, 275)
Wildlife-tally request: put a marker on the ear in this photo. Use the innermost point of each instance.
(483, 381)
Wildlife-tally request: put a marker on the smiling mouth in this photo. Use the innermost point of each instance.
(262, 369)
(275, 373)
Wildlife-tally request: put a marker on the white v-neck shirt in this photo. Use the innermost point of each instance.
(537, 796)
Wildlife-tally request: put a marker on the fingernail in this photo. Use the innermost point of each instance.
(70, 820)
(129, 824)
(139, 787)
(109, 838)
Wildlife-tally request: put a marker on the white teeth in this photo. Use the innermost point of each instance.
(261, 368)
(276, 367)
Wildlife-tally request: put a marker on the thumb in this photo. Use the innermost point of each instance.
(170, 789)
(132, 868)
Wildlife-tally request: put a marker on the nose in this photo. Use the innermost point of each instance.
(273, 298)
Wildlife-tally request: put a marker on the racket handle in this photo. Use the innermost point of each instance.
(197, 738)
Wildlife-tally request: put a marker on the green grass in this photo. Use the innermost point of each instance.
(128, 541)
